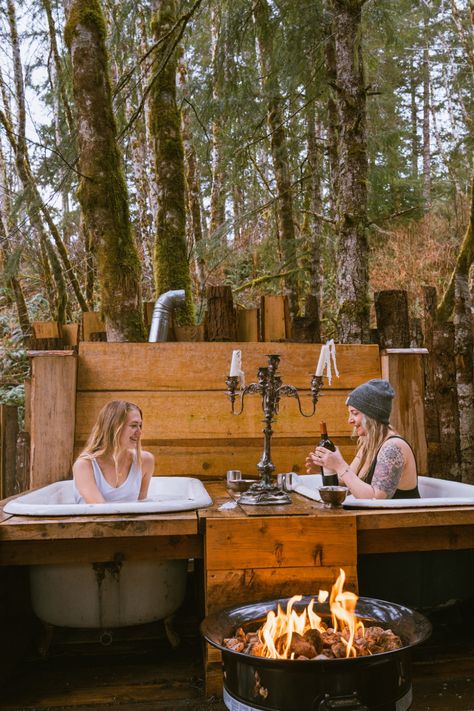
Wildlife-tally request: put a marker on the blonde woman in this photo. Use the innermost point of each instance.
(112, 466)
(384, 466)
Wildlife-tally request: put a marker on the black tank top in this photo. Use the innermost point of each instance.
(399, 493)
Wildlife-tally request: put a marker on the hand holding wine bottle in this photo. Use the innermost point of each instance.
(329, 475)
(325, 459)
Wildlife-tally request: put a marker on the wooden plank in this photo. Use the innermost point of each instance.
(247, 325)
(46, 329)
(274, 318)
(70, 334)
(53, 398)
(100, 550)
(404, 368)
(225, 588)
(204, 366)
(212, 459)
(91, 323)
(378, 519)
(8, 437)
(280, 542)
(422, 538)
(30, 528)
(207, 416)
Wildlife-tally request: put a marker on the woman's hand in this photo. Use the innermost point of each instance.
(310, 463)
(323, 457)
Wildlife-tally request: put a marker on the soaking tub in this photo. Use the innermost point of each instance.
(433, 492)
(120, 593)
(166, 493)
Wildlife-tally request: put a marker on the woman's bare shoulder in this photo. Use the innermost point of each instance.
(148, 459)
(82, 464)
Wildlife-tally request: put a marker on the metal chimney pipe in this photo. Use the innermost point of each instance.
(162, 311)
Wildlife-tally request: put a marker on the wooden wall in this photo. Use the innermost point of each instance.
(188, 424)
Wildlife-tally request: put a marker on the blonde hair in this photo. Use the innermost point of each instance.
(105, 435)
(370, 443)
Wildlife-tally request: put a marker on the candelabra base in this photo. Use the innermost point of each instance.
(261, 494)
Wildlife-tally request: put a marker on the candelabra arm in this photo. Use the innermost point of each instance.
(291, 391)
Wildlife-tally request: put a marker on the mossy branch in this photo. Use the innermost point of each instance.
(463, 263)
(263, 279)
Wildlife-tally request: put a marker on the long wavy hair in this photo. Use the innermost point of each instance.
(369, 444)
(105, 435)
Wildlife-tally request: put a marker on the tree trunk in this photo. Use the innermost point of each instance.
(171, 260)
(333, 117)
(463, 353)
(279, 148)
(221, 322)
(5, 226)
(33, 200)
(313, 299)
(426, 122)
(414, 121)
(391, 308)
(463, 264)
(445, 453)
(217, 165)
(351, 212)
(102, 189)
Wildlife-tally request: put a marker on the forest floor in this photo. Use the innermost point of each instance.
(139, 671)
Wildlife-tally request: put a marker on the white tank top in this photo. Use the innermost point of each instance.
(128, 491)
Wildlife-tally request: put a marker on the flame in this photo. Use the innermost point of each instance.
(277, 631)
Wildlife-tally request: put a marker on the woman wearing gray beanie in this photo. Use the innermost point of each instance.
(384, 466)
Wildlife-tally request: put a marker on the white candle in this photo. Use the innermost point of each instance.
(321, 361)
(236, 364)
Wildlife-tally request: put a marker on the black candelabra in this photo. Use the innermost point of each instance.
(271, 388)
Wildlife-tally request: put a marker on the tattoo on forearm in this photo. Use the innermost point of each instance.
(388, 469)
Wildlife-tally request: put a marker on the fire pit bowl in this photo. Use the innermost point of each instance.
(381, 682)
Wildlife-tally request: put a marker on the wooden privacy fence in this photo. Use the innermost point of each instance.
(188, 424)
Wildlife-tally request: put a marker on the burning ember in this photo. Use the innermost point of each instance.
(292, 635)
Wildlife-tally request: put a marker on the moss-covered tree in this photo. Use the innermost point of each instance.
(102, 189)
(352, 274)
(170, 257)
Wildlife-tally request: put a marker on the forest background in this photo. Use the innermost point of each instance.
(321, 149)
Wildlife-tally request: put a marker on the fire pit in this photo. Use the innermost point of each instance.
(380, 681)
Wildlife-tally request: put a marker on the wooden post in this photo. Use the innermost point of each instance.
(391, 308)
(275, 318)
(53, 411)
(247, 325)
(47, 335)
(8, 435)
(220, 322)
(70, 333)
(92, 323)
(404, 369)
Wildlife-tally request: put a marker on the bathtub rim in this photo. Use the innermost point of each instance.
(426, 502)
(24, 504)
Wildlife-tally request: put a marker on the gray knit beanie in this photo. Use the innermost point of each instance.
(374, 399)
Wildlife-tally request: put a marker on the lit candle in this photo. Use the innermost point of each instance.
(321, 361)
(236, 364)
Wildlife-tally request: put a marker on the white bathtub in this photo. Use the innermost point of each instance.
(119, 593)
(166, 493)
(433, 492)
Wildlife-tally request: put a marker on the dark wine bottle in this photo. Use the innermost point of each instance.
(329, 476)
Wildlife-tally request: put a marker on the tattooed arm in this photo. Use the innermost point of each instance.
(388, 471)
(387, 474)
